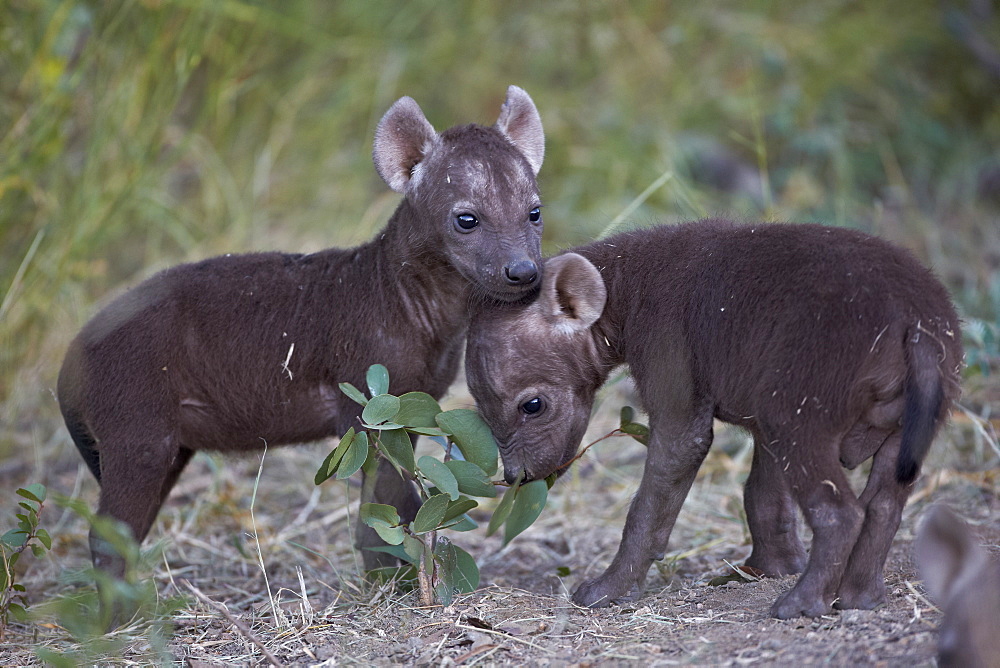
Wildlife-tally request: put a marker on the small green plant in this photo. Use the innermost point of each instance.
(446, 485)
(13, 595)
(627, 425)
(85, 612)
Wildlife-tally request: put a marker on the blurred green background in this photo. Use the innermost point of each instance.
(137, 135)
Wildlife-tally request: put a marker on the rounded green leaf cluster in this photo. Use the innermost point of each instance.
(388, 428)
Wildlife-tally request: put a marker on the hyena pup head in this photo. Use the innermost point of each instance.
(472, 191)
(533, 368)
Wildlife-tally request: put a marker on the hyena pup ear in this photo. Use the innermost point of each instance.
(403, 139)
(945, 551)
(573, 293)
(520, 123)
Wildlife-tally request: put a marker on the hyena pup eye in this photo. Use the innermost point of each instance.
(535, 214)
(466, 222)
(532, 406)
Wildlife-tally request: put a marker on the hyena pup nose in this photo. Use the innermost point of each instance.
(522, 272)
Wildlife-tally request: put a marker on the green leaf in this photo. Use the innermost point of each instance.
(395, 550)
(472, 437)
(431, 514)
(38, 551)
(354, 393)
(414, 548)
(391, 535)
(455, 517)
(32, 516)
(528, 504)
(456, 568)
(443, 593)
(639, 432)
(18, 611)
(381, 408)
(459, 507)
(427, 431)
(446, 560)
(635, 429)
(397, 446)
(14, 537)
(44, 538)
(627, 414)
(332, 461)
(378, 512)
(417, 409)
(463, 523)
(354, 458)
(384, 520)
(466, 578)
(471, 479)
(439, 474)
(35, 492)
(503, 509)
(377, 379)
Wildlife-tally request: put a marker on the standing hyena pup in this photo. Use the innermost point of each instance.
(240, 351)
(829, 346)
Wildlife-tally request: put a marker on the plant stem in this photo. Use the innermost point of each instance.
(425, 573)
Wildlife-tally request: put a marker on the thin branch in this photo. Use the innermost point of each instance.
(614, 432)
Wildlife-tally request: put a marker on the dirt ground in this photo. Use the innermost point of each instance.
(324, 613)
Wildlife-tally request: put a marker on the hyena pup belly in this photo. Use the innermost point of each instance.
(829, 346)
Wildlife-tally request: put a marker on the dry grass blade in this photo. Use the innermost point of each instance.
(501, 634)
(275, 611)
(985, 429)
(636, 203)
(243, 629)
(19, 274)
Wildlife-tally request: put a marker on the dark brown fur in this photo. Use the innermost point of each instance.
(240, 352)
(828, 345)
(964, 580)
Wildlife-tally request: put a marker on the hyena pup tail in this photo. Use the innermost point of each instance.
(923, 410)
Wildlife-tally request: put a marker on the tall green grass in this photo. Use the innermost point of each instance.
(135, 135)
